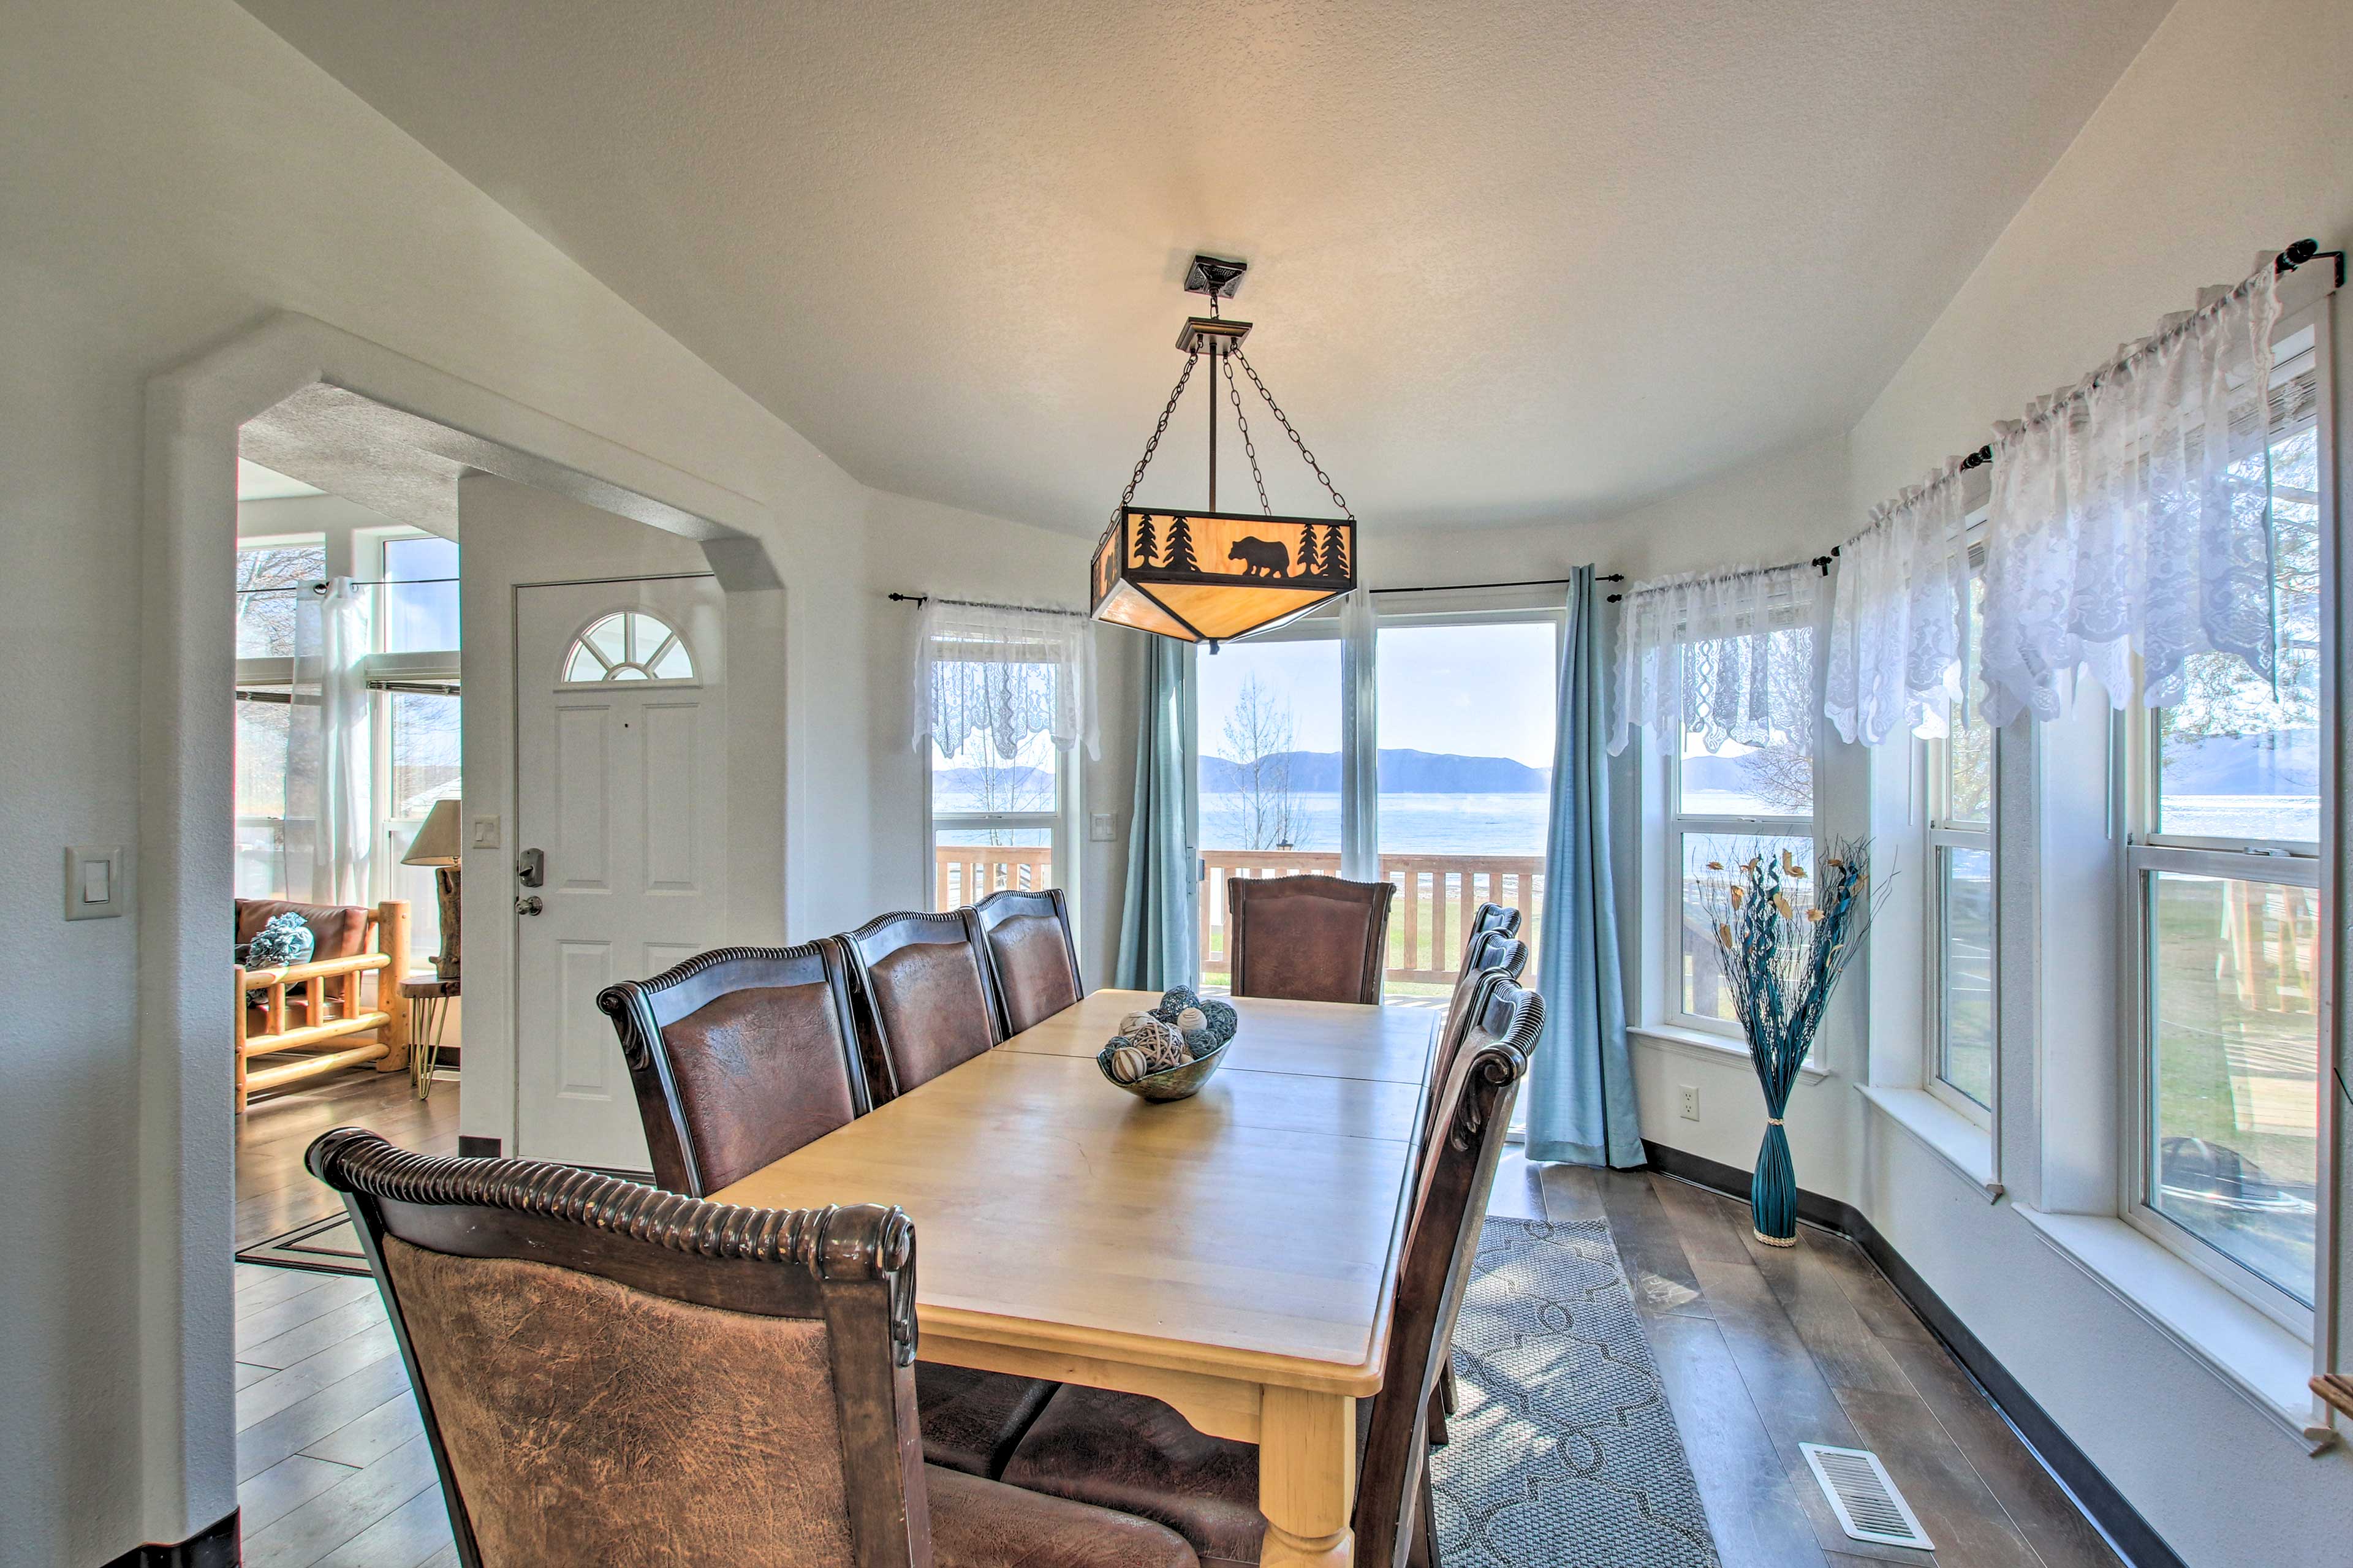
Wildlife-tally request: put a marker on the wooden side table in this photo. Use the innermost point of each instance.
(428, 997)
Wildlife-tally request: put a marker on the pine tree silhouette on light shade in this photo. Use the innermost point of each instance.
(1147, 540)
(1310, 558)
(1180, 545)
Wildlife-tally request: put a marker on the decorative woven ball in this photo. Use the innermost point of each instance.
(1159, 1041)
(1201, 1043)
(1125, 1064)
(1173, 1001)
(1135, 1020)
(1221, 1019)
(1190, 1020)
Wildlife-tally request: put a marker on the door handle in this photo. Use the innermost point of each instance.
(529, 906)
(530, 868)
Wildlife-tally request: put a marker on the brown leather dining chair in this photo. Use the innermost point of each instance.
(1308, 939)
(609, 1373)
(1138, 1456)
(741, 1056)
(1031, 956)
(927, 1000)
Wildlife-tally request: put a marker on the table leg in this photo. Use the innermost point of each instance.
(1307, 1477)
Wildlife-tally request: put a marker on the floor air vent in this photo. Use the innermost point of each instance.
(1869, 1507)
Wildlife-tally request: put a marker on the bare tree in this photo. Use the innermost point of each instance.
(998, 784)
(267, 584)
(1264, 810)
(1782, 776)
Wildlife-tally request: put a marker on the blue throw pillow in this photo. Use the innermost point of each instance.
(284, 942)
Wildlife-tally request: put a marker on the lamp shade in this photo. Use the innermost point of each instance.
(436, 843)
(1209, 576)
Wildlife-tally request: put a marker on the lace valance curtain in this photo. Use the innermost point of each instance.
(1729, 654)
(1899, 616)
(2131, 513)
(1008, 674)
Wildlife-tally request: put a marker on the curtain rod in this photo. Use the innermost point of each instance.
(356, 582)
(1523, 583)
(1819, 562)
(984, 605)
(2289, 261)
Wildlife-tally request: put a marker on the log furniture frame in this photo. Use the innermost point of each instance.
(332, 1009)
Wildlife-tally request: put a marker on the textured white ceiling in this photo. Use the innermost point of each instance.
(1511, 261)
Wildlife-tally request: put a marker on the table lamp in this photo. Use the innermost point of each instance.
(436, 844)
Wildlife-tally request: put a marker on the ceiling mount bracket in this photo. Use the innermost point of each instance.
(1214, 276)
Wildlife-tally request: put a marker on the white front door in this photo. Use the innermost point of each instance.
(621, 789)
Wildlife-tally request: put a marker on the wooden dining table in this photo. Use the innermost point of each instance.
(1234, 1254)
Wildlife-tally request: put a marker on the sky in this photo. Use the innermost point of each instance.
(1466, 690)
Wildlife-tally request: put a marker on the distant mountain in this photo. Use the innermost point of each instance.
(1023, 784)
(1402, 772)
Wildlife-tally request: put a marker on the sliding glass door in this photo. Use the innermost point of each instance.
(1465, 713)
(1269, 728)
(1466, 736)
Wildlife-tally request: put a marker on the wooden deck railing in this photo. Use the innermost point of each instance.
(968, 873)
(1429, 920)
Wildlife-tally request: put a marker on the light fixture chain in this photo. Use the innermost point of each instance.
(1234, 389)
(1284, 420)
(1158, 430)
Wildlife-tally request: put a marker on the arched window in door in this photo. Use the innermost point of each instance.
(628, 645)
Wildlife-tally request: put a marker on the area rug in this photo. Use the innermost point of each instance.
(1564, 1451)
(327, 1246)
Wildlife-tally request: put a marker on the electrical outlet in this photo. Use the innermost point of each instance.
(1687, 1101)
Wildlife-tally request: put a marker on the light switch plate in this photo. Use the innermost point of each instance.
(95, 869)
(1099, 827)
(486, 833)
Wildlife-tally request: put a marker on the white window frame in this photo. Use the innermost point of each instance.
(1668, 922)
(424, 667)
(1064, 823)
(1945, 832)
(2147, 852)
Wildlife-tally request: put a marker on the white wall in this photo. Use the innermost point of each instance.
(918, 547)
(2229, 135)
(176, 174)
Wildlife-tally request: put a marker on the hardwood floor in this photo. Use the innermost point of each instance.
(1760, 1349)
(332, 1464)
(1764, 1348)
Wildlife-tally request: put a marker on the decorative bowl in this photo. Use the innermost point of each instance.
(1181, 1082)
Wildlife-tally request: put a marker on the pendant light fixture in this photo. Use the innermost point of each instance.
(1209, 576)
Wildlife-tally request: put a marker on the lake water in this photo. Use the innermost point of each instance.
(1411, 824)
(1515, 823)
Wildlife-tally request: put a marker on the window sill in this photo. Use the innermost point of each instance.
(1710, 1047)
(2267, 1365)
(1953, 1137)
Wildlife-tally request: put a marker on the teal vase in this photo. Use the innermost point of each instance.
(1773, 1190)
